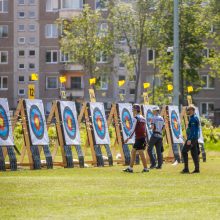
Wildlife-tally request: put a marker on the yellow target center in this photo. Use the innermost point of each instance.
(1, 122)
(37, 122)
(69, 123)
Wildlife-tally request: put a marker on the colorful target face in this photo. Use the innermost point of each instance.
(4, 125)
(69, 122)
(99, 123)
(175, 125)
(37, 123)
(149, 117)
(127, 121)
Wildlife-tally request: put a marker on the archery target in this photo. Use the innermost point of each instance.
(175, 125)
(201, 138)
(6, 137)
(126, 121)
(69, 123)
(99, 123)
(37, 122)
(148, 113)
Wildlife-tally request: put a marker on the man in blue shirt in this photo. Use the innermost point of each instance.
(192, 141)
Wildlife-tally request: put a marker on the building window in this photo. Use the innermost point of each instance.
(132, 91)
(150, 55)
(20, 78)
(101, 4)
(31, 53)
(132, 78)
(21, 53)
(3, 31)
(21, 27)
(21, 92)
(3, 82)
(207, 108)
(21, 2)
(32, 40)
(76, 82)
(51, 5)
(121, 91)
(71, 4)
(31, 2)
(64, 57)
(31, 66)
(102, 57)
(52, 82)
(208, 82)
(21, 14)
(21, 66)
(21, 40)
(32, 14)
(32, 27)
(104, 82)
(3, 6)
(52, 56)
(51, 31)
(208, 52)
(3, 57)
(103, 30)
(121, 77)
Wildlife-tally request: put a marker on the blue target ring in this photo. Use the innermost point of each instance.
(127, 121)
(4, 124)
(69, 122)
(175, 124)
(37, 122)
(149, 116)
(99, 123)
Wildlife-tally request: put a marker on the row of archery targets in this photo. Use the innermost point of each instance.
(63, 115)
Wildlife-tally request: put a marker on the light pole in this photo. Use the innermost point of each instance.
(176, 72)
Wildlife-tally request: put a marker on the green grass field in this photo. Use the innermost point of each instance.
(108, 193)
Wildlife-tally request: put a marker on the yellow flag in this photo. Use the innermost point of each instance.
(146, 85)
(169, 87)
(62, 79)
(34, 76)
(190, 89)
(121, 83)
(92, 81)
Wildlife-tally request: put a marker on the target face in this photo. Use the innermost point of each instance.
(37, 123)
(149, 117)
(69, 122)
(201, 138)
(99, 123)
(127, 121)
(4, 125)
(175, 124)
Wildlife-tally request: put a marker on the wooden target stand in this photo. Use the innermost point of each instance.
(33, 151)
(185, 120)
(66, 150)
(96, 149)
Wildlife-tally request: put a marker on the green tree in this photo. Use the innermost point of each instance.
(84, 41)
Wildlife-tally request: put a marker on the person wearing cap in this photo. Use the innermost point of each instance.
(192, 141)
(139, 129)
(156, 139)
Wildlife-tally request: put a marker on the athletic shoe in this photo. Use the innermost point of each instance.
(158, 167)
(196, 171)
(152, 166)
(184, 171)
(128, 170)
(145, 170)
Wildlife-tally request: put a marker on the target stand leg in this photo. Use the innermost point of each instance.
(203, 152)
(2, 160)
(36, 157)
(109, 154)
(126, 154)
(69, 156)
(176, 152)
(80, 155)
(181, 148)
(12, 158)
(48, 157)
(98, 152)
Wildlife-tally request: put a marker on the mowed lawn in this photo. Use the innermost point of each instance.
(108, 193)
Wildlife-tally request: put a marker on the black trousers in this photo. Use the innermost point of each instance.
(194, 148)
(158, 142)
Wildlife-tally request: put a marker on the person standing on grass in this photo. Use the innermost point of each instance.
(156, 139)
(139, 129)
(192, 141)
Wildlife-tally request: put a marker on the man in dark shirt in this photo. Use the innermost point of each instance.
(139, 129)
(192, 141)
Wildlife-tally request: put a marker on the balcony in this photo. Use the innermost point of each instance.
(74, 92)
